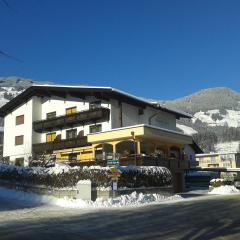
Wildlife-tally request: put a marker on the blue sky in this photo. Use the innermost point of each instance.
(156, 49)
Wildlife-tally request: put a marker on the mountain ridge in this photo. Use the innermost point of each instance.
(215, 111)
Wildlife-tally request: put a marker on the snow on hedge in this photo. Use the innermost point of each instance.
(65, 176)
(223, 190)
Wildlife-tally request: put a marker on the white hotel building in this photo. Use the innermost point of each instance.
(85, 124)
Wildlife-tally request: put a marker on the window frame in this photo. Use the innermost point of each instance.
(71, 109)
(95, 104)
(49, 114)
(19, 140)
(51, 134)
(71, 131)
(19, 120)
(95, 126)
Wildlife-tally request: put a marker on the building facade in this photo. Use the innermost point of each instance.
(223, 160)
(89, 124)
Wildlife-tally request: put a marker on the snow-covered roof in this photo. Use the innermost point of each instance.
(105, 92)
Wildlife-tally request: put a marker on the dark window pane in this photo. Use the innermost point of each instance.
(20, 120)
(71, 133)
(95, 128)
(51, 115)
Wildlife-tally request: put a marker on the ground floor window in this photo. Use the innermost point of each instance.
(72, 156)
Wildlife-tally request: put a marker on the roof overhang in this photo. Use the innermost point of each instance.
(141, 132)
(81, 92)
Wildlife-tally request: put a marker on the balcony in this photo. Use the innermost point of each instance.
(66, 121)
(171, 163)
(47, 147)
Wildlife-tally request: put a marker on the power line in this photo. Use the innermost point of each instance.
(4, 54)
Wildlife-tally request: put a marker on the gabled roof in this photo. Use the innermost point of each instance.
(82, 92)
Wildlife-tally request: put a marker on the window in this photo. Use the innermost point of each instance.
(20, 120)
(19, 162)
(140, 111)
(19, 140)
(71, 133)
(50, 137)
(72, 156)
(95, 128)
(94, 105)
(51, 115)
(71, 110)
(213, 159)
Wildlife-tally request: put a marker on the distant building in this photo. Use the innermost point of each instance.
(226, 160)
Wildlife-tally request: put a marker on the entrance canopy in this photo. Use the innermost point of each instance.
(140, 132)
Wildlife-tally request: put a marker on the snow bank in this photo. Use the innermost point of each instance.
(56, 170)
(26, 197)
(217, 180)
(132, 200)
(222, 190)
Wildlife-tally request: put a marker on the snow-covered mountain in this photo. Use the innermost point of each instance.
(216, 115)
(216, 112)
(10, 87)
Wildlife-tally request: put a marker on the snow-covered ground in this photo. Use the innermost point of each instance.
(231, 118)
(224, 190)
(131, 200)
(227, 146)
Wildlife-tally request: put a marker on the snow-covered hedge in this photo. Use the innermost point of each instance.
(65, 176)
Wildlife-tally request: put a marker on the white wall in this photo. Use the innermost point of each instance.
(130, 116)
(11, 130)
(38, 107)
(59, 105)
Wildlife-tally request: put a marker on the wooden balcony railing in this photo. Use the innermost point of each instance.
(170, 163)
(40, 148)
(65, 121)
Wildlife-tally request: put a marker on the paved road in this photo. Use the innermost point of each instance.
(211, 218)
